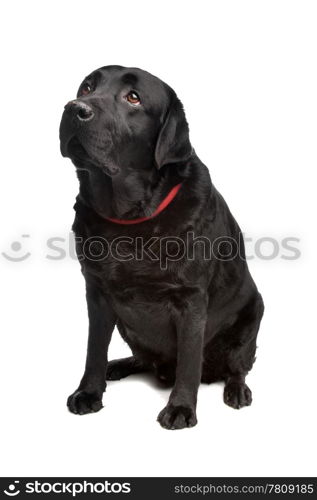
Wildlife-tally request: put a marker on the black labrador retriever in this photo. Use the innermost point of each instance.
(161, 254)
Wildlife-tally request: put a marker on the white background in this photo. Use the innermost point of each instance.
(246, 73)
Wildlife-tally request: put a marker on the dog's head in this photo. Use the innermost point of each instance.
(124, 119)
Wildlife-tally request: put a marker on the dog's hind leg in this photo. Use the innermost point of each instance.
(121, 368)
(231, 354)
(241, 357)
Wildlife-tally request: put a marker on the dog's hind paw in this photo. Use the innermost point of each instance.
(82, 402)
(177, 417)
(237, 395)
(121, 368)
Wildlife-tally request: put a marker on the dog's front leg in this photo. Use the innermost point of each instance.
(180, 411)
(88, 397)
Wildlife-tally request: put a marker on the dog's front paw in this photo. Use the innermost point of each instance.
(81, 402)
(177, 417)
(237, 395)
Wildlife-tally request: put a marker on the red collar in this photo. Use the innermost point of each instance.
(167, 200)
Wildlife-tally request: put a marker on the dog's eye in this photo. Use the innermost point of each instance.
(133, 98)
(86, 89)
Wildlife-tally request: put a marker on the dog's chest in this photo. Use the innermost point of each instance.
(134, 271)
(128, 266)
(144, 297)
(132, 283)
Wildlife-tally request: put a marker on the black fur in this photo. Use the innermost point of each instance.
(191, 320)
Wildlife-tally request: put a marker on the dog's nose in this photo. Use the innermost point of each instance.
(80, 110)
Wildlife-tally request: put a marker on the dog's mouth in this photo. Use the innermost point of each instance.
(75, 150)
(82, 159)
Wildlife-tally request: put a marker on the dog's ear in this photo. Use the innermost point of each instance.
(173, 145)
